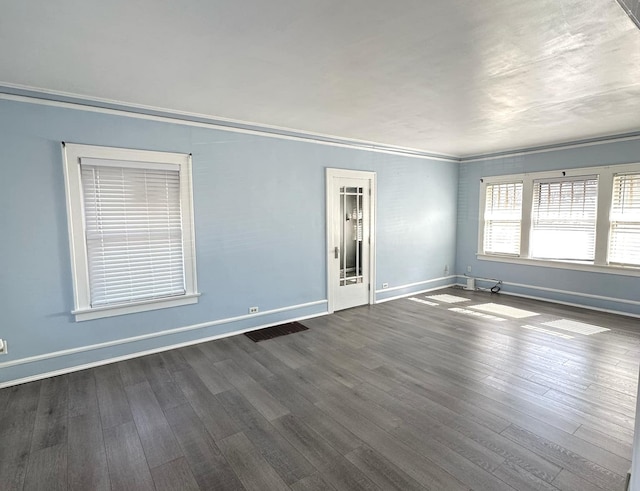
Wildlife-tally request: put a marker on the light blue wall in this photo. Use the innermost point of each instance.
(586, 287)
(260, 230)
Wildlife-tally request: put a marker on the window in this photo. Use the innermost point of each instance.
(564, 218)
(502, 218)
(131, 230)
(624, 239)
(586, 219)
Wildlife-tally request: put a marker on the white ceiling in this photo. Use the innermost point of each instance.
(456, 77)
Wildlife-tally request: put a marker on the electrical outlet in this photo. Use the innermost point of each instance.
(385, 285)
(3, 347)
(253, 310)
(468, 269)
(446, 269)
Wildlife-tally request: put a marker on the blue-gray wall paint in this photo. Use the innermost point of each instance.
(260, 230)
(583, 285)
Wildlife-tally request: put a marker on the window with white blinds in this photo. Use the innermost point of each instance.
(624, 235)
(131, 230)
(563, 224)
(133, 227)
(502, 218)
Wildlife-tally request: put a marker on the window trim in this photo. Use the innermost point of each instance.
(71, 155)
(605, 187)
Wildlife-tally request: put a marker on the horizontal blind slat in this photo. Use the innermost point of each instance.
(502, 218)
(563, 223)
(624, 237)
(134, 232)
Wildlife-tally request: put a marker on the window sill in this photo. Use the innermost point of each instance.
(545, 263)
(131, 308)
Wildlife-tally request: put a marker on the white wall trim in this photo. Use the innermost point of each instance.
(167, 332)
(551, 148)
(137, 354)
(409, 285)
(404, 295)
(223, 124)
(563, 292)
(34, 95)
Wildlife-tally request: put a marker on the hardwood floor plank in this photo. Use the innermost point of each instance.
(264, 402)
(422, 470)
(290, 465)
(131, 371)
(128, 468)
(158, 441)
(47, 469)
(16, 430)
(518, 478)
(568, 481)
(174, 475)
(112, 400)
(252, 469)
(174, 361)
(83, 396)
(564, 457)
(209, 467)
(334, 433)
(51, 423)
(164, 387)
(622, 448)
(381, 471)
(311, 483)
(465, 471)
(206, 370)
(325, 458)
(87, 458)
(208, 408)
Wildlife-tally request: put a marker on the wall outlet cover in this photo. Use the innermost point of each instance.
(385, 285)
(253, 310)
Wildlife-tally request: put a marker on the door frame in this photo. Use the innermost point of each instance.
(354, 174)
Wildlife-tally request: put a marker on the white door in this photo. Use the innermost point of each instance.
(350, 226)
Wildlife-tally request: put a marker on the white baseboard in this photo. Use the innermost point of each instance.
(564, 292)
(410, 294)
(133, 339)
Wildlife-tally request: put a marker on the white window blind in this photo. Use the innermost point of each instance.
(563, 222)
(502, 218)
(624, 239)
(133, 227)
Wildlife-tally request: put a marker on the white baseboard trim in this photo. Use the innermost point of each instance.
(405, 295)
(167, 332)
(137, 354)
(563, 292)
(409, 285)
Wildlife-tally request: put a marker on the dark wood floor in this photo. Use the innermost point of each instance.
(400, 395)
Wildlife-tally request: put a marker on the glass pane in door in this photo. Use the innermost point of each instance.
(350, 253)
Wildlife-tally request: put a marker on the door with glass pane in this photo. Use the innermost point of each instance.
(349, 228)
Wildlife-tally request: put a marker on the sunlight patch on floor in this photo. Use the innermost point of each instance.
(476, 314)
(575, 326)
(446, 298)
(547, 331)
(496, 308)
(419, 300)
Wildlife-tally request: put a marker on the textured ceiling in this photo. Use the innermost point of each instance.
(448, 76)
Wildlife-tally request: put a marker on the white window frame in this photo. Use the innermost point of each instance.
(72, 155)
(605, 187)
(481, 241)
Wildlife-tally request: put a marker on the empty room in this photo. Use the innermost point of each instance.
(320, 245)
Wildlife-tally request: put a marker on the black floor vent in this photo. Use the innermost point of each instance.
(275, 331)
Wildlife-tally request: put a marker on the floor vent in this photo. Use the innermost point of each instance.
(275, 331)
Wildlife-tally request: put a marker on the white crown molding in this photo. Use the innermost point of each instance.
(107, 106)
